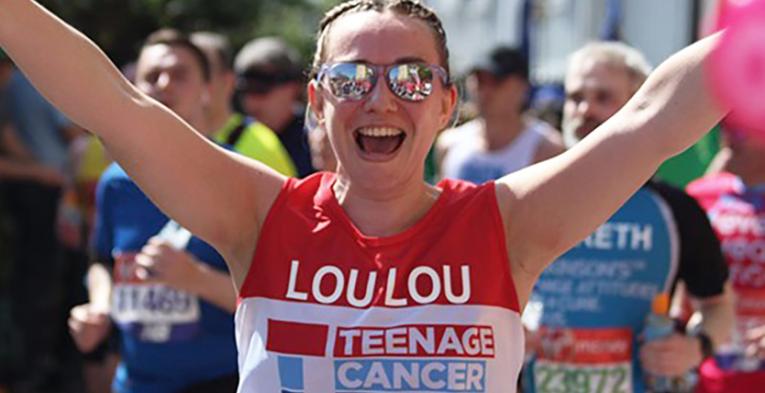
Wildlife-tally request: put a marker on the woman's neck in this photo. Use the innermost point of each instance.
(385, 211)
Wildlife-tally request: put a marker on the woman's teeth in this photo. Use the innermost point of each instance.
(380, 132)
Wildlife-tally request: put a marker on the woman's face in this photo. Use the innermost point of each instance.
(355, 127)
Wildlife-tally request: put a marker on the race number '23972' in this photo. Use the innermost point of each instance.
(570, 378)
(584, 360)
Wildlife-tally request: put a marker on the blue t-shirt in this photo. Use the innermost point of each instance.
(169, 339)
(37, 122)
(591, 304)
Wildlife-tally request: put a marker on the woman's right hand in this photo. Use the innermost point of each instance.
(88, 326)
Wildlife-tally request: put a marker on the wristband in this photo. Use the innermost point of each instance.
(707, 348)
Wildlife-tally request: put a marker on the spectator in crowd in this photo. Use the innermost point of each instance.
(17, 167)
(37, 137)
(16, 161)
(270, 85)
(247, 136)
(501, 139)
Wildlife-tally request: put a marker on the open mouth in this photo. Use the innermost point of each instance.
(379, 140)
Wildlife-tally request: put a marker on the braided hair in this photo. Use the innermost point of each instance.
(411, 8)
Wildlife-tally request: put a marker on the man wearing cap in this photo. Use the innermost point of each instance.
(248, 137)
(270, 84)
(501, 139)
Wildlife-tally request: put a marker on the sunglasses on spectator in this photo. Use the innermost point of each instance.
(354, 80)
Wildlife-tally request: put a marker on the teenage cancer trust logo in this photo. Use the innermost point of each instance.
(409, 358)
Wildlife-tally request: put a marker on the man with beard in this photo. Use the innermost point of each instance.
(592, 303)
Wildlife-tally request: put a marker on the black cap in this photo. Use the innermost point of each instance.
(503, 61)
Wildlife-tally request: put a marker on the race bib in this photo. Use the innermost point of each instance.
(151, 312)
(584, 360)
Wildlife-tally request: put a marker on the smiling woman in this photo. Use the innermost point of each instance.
(353, 274)
(400, 44)
(351, 81)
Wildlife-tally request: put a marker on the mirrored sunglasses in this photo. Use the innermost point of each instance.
(408, 81)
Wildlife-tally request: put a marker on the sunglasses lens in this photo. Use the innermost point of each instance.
(411, 82)
(350, 81)
(353, 81)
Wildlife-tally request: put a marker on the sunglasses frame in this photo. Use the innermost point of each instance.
(381, 69)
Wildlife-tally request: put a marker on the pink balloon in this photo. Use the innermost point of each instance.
(736, 69)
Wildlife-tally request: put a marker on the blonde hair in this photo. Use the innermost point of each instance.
(616, 54)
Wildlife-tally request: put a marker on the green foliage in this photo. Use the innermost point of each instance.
(119, 26)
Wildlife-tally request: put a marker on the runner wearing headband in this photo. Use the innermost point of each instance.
(384, 283)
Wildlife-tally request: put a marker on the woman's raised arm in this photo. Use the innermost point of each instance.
(550, 207)
(206, 189)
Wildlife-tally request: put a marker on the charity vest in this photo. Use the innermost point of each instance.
(589, 307)
(737, 215)
(325, 308)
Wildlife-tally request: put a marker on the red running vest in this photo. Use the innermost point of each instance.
(737, 214)
(325, 308)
